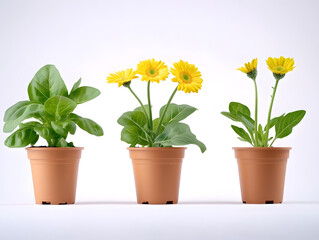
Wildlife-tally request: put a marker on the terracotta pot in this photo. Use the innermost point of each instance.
(54, 173)
(262, 173)
(157, 174)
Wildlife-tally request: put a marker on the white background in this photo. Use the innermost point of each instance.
(91, 39)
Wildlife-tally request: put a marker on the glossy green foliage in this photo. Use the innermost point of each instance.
(136, 130)
(283, 125)
(50, 108)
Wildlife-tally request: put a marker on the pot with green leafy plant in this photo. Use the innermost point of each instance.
(50, 108)
(156, 163)
(262, 168)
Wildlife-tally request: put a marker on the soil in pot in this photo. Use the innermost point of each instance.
(54, 173)
(262, 173)
(157, 174)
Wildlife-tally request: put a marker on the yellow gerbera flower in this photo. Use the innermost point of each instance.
(280, 65)
(188, 76)
(122, 77)
(249, 67)
(152, 70)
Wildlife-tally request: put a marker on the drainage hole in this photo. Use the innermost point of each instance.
(269, 202)
(144, 202)
(46, 203)
(244, 201)
(63, 203)
(169, 202)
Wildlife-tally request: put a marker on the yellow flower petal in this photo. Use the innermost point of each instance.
(280, 65)
(152, 70)
(122, 77)
(188, 77)
(249, 67)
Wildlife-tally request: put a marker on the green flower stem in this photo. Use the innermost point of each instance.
(149, 139)
(164, 112)
(272, 142)
(149, 104)
(269, 113)
(252, 138)
(139, 102)
(256, 114)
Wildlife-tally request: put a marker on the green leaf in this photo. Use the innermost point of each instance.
(273, 122)
(140, 109)
(176, 113)
(31, 124)
(34, 141)
(70, 126)
(61, 143)
(238, 116)
(260, 135)
(178, 134)
(136, 118)
(19, 112)
(242, 133)
(44, 116)
(84, 94)
(248, 122)
(87, 125)
(231, 116)
(63, 128)
(76, 85)
(46, 83)
(133, 135)
(285, 125)
(58, 128)
(241, 139)
(45, 132)
(155, 125)
(15, 108)
(21, 138)
(59, 106)
(235, 107)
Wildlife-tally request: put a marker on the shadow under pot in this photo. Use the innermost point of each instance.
(54, 173)
(157, 174)
(262, 173)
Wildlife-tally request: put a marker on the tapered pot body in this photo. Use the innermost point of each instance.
(262, 173)
(157, 174)
(54, 173)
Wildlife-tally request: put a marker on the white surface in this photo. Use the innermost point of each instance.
(187, 220)
(91, 39)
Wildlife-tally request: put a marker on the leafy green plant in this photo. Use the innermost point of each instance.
(50, 107)
(256, 134)
(139, 127)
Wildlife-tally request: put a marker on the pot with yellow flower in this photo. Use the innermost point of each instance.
(262, 168)
(156, 163)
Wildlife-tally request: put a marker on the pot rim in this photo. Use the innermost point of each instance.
(154, 148)
(262, 148)
(54, 148)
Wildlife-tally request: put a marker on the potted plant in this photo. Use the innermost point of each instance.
(262, 168)
(156, 163)
(50, 106)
